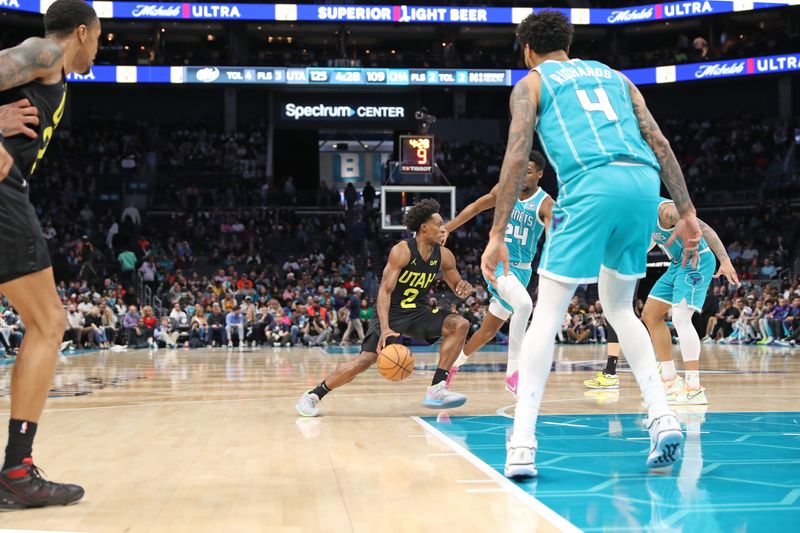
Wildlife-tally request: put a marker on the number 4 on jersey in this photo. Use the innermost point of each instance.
(603, 104)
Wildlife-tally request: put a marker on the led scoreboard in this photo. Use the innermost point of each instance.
(416, 154)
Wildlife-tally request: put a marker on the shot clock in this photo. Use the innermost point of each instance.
(416, 154)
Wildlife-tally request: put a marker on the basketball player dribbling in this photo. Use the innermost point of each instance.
(608, 153)
(35, 70)
(511, 299)
(402, 309)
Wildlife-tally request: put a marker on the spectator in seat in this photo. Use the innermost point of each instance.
(216, 326)
(234, 321)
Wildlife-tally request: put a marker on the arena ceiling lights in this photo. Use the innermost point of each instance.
(382, 14)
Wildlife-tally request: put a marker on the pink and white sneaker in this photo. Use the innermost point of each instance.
(511, 382)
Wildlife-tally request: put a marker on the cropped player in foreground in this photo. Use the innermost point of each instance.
(402, 309)
(682, 288)
(608, 153)
(35, 71)
(529, 218)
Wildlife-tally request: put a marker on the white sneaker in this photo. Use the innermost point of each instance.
(521, 462)
(241, 347)
(438, 397)
(307, 405)
(707, 340)
(230, 346)
(666, 440)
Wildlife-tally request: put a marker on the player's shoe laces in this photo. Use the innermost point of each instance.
(603, 381)
(521, 462)
(666, 440)
(438, 397)
(688, 396)
(512, 381)
(24, 486)
(307, 404)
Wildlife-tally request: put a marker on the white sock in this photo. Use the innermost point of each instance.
(668, 372)
(617, 295)
(688, 338)
(511, 290)
(462, 358)
(693, 379)
(537, 356)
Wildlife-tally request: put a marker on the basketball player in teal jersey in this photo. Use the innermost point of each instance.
(608, 153)
(35, 71)
(683, 288)
(530, 217)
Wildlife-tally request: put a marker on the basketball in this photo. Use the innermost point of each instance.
(395, 362)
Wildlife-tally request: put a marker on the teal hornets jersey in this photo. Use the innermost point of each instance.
(586, 119)
(674, 250)
(525, 228)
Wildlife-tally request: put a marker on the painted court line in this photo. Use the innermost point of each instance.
(565, 424)
(507, 485)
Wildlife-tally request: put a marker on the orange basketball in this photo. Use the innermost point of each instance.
(395, 362)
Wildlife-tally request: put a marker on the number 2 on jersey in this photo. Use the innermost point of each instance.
(603, 104)
(408, 301)
(521, 234)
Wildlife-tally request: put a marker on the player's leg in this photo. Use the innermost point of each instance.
(490, 326)
(607, 378)
(35, 299)
(343, 373)
(515, 293)
(453, 330)
(537, 349)
(616, 294)
(691, 287)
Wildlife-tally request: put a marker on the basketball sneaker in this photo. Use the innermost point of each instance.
(453, 371)
(603, 381)
(521, 462)
(24, 486)
(438, 397)
(307, 404)
(687, 396)
(673, 389)
(666, 439)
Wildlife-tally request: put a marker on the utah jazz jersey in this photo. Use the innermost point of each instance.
(675, 250)
(50, 100)
(411, 290)
(524, 228)
(586, 119)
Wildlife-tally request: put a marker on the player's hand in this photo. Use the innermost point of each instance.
(463, 289)
(726, 269)
(385, 334)
(445, 236)
(688, 231)
(496, 251)
(15, 119)
(6, 162)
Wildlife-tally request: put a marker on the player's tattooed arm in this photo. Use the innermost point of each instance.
(715, 243)
(480, 205)
(452, 277)
(523, 105)
(671, 173)
(398, 259)
(32, 60)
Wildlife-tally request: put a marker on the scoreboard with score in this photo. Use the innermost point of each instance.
(416, 154)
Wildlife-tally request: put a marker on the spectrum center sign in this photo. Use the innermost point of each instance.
(294, 111)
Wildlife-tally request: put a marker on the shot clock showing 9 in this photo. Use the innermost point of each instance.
(416, 154)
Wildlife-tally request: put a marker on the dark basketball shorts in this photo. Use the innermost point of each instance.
(424, 324)
(23, 249)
